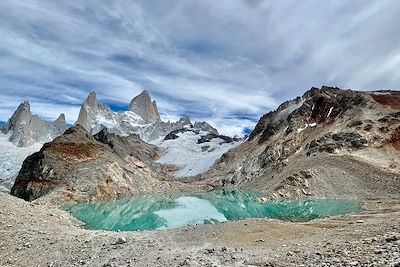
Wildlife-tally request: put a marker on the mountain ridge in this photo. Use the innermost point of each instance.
(141, 118)
(297, 150)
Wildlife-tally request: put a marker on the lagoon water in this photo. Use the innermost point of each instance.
(166, 211)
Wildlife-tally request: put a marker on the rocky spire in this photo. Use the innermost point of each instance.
(19, 119)
(91, 100)
(27, 129)
(145, 108)
(60, 124)
(88, 109)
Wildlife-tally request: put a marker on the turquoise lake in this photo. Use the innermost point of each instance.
(166, 211)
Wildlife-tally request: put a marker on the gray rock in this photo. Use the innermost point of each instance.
(392, 238)
(121, 240)
(88, 112)
(144, 107)
(205, 127)
(27, 129)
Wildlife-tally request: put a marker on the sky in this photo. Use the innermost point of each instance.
(227, 62)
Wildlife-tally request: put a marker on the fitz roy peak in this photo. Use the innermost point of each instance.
(27, 129)
(145, 108)
(142, 118)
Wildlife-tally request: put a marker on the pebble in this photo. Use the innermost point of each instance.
(391, 238)
(121, 240)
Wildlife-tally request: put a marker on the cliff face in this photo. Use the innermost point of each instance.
(27, 129)
(327, 143)
(89, 112)
(145, 108)
(77, 166)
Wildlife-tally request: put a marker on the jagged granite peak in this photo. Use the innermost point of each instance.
(142, 118)
(27, 129)
(185, 121)
(205, 126)
(91, 100)
(60, 123)
(88, 111)
(145, 108)
(20, 116)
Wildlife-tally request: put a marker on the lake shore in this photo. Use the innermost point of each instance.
(43, 235)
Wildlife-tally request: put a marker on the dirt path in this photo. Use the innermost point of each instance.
(42, 235)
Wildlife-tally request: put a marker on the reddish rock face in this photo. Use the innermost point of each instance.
(391, 99)
(75, 150)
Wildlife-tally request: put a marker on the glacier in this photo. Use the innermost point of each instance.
(11, 159)
(191, 157)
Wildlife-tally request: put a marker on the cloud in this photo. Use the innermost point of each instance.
(227, 62)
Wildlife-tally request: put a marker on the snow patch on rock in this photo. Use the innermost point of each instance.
(290, 109)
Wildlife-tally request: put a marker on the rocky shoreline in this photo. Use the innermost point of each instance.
(368, 238)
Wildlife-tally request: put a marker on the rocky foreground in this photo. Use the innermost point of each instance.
(33, 234)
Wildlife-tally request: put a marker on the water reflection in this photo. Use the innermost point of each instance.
(149, 212)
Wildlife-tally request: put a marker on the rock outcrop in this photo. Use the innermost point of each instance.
(145, 108)
(27, 129)
(319, 133)
(77, 167)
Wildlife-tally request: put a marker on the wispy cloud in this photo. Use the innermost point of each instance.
(227, 62)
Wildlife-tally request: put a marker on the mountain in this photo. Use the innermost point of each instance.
(21, 136)
(142, 118)
(145, 108)
(329, 143)
(2, 123)
(104, 154)
(26, 129)
(78, 166)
